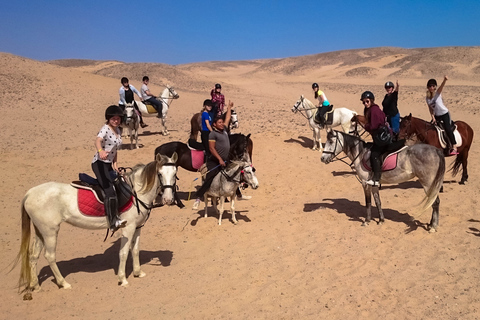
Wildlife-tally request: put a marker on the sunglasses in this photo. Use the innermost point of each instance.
(366, 101)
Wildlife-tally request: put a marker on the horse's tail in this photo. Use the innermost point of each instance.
(23, 255)
(437, 184)
(457, 164)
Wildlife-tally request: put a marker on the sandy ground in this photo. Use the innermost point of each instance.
(299, 250)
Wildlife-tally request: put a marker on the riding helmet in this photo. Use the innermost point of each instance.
(389, 84)
(368, 95)
(431, 82)
(113, 111)
(218, 86)
(314, 85)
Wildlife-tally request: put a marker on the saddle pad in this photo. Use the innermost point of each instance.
(197, 158)
(150, 109)
(441, 136)
(90, 206)
(388, 164)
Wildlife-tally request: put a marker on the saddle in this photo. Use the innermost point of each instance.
(389, 159)
(150, 107)
(328, 116)
(122, 189)
(443, 138)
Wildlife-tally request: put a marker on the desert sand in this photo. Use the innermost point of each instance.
(299, 250)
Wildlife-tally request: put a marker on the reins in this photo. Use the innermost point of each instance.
(304, 109)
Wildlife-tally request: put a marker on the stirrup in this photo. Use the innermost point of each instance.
(119, 223)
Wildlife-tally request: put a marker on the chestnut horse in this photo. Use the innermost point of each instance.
(426, 133)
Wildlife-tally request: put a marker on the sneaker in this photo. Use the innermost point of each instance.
(119, 223)
(159, 115)
(372, 183)
(453, 152)
(196, 204)
(244, 197)
(143, 125)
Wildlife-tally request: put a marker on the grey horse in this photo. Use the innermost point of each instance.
(225, 184)
(423, 161)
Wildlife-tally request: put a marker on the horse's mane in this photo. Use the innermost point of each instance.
(148, 174)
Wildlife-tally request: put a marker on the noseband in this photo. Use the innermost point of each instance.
(168, 186)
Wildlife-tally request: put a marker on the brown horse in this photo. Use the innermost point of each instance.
(426, 133)
(196, 123)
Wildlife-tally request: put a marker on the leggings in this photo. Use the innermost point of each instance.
(102, 172)
(157, 104)
(447, 125)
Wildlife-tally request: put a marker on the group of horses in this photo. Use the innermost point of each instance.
(424, 160)
(47, 205)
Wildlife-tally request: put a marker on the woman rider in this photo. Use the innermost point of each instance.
(323, 104)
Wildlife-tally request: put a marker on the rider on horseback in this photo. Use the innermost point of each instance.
(218, 100)
(108, 141)
(150, 98)
(126, 96)
(390, 108)
(323, 105)
(439, 111)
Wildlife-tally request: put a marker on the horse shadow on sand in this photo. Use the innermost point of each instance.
(474, 231)
(226, 217)
(355, 211)
(147, 133)
(106, 261)
(304, 141)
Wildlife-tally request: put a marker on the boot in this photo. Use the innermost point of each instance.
(111, 209)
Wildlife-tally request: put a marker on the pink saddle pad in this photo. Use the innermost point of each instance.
(197, 158)
(389, 163)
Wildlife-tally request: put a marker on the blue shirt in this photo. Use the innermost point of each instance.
(206, 116)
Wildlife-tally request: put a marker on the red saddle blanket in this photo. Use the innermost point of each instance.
(197, 158)
(90, 206)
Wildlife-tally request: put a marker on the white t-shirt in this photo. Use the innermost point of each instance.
(436, 103)
(110, 142)
(143, 91)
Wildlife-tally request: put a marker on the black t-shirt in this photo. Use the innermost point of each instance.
(389, 104)
(129, 96)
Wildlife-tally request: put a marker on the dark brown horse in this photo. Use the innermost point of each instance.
(196, 123)
(426, 133)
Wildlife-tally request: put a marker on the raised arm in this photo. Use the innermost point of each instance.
(228, 114)
(439, 90)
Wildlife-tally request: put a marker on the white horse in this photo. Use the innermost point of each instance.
(49, 204)
(226, 183)
(132, 123)
(166, 97)
(341, 116)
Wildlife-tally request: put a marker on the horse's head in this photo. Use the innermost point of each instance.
(248, 174)
(238, 149)
(172, 94)
(233, 120)
(298, 104)
(167, 174)
(129, 113)
(406, 128)
(333, 146)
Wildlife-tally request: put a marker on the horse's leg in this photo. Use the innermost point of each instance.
(135, 248)
(130, 132)
(136, 137)
(367, 190)
(232, 208)
(464, 155)
(205, 199)
(378, 203)
(37, 247)
(164, 123)
(220, 211)
(125, 243)
(432, 227)
(314, 129)
(50, 242)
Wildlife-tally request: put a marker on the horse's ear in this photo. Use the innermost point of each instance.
(410, 115)
(248, 136)
(158, 157)
(174, 157)
(301, 97)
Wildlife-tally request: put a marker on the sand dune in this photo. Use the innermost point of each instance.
(299, 250)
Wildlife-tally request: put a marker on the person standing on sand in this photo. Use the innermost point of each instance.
(126, 96)
(439, 111)
(390, 108)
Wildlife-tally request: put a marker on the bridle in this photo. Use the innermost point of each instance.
(240, 171)
(168, 186)
(301, 102)
(174, 96)
(133, 117)
(335, 155)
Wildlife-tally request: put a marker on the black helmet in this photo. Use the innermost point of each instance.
(314, 85)
(208, 102)
(113, 111)
(218, 86)
(389, 84)
(368, 95)
(431, 82)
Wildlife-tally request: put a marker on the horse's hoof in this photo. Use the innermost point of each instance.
(66, 285)
(364, 224)
(141, 274)
(123, 283)
(235, 222)
(380, 223)
(432, 230)
(27, 296)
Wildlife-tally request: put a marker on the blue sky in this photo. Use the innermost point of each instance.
(177, 32)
